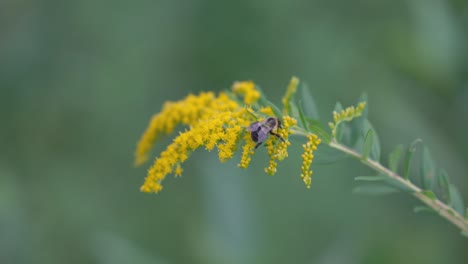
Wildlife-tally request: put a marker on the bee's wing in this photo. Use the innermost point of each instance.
(253, 126)
(262, 133)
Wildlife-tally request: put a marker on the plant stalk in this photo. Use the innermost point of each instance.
(443, 209)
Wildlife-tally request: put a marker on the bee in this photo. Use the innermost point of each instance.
(259, 130)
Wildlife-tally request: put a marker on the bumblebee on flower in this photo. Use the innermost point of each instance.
(222, 122)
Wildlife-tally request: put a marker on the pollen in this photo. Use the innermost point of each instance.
(307, 157)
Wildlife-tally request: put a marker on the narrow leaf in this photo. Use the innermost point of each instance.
(398, 185)
(374, 190)
(317, 128)
(358, 126)
(375, 150)
(294, 110)
(328, 155)
(464, 233)
(367, 147)
(302, 118)
(419, 209)
(456, 200)
(427, 169)
(310, 107)
(394, 158)
(265, 102)
(338, 107)
(370, 178)
(429, 194)
(466, 214)
(444, 185)
(363, 98)
(409, 154)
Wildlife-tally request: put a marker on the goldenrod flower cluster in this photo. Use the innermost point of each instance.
(247, 90)
(247, 151)
(214, 121)
(278, 151)
(186, 111)
(347, 114)
(312, 142)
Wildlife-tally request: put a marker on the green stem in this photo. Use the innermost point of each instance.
(443, 209)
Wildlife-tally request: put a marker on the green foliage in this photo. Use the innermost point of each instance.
(317, 128)
(308, 101)
(427, 169)
(456, 200)
(302, 118)
(409, 154)
(394, 158)
(375, 149)
(419, 209)
(263, 100)
(429, 194)
(371, 178)
(375, 189)
(368, 144)
(367, 149)
(444, 185)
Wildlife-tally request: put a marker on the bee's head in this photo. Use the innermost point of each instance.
(280, 125)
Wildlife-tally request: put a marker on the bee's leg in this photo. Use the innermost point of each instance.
(277, 135)
(258, 145)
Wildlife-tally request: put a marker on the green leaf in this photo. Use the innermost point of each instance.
(466, 214)
(294, 110)
(338, 107)
(387, 180)
(302, 118)
(394, 158)
(429, 194)
(310, 107)
(367, 147)
(375, 189)
(328, 155)
(317, 128)
(363, 98)
(263, 101)
(444, 185)
(397, 184)
(464, 233)
(371, 178)
(419, 209)
(456, 200)
(409, 154)
(375, 151)
(427, 169)
(358, 126)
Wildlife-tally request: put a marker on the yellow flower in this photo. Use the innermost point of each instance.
(213, 121)
(186, 111)
(312, 142)
(246, 89)
(247, 151)
(267, 111)
(347, 114)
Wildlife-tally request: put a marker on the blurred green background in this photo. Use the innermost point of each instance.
(79, 81)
